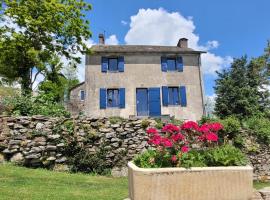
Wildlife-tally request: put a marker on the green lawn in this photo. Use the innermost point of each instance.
(18, 183)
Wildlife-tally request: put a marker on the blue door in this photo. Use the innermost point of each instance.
(154, 102)
(142, 102)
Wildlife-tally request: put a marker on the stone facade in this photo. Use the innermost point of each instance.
(75, 103)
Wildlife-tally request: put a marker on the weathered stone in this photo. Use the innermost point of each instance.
(12, 142)
(36, 149)
(51, 158)
(17, 158)
(116, 144)
(6, 151)
(119, 172)
(51, 148)
(61, 160)
(2, 158)
(40, 139)
(60, 168)
(33, 156)
(110, 135)
(24, 130)
(53, 137)
(265, 192)
(39, 126)
(60, 145)
(115, 125)
(105, 130)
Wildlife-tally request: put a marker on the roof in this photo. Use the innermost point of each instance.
(77, 86)
(141, 49)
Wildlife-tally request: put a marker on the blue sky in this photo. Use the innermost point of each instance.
(226, 29)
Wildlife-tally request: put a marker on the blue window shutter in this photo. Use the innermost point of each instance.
(163, 64)
(121, 64)
(154, 102)
(104, 64)
(180, 66)
(165, 95)
(183, 96)
(122, 97)
(102, 98)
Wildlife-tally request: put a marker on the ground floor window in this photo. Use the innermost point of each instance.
(82, 95)
(113, 98)
(174, 96)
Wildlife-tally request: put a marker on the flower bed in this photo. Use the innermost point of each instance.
(192, 160)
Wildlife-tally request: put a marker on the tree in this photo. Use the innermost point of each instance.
(39, 30)
(241, 89)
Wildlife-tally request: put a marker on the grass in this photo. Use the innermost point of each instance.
(18, 183)
(260, 185)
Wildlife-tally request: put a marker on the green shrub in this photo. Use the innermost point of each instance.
(260, 127)
(226, 155)
(115, 120)
(231, 126)
(159, 123)
(193, 159)
(27, 106)
(145, 123)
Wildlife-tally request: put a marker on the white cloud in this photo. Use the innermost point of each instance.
(124, 22)
(160, 27)
(112, 40)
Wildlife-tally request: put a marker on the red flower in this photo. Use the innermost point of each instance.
(215, 126)
(211, 137)
(177, 137)
(166, 142)
(152, 131)
(174, 158)
(170, 128)
(190, 125)
(184, 149)
(204, 128)
(156, 140)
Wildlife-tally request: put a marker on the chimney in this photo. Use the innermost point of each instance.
(183, 43)
(101, 39)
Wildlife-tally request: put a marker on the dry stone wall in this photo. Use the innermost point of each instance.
(39, 141)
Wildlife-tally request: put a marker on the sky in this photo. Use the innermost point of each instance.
(225, 29)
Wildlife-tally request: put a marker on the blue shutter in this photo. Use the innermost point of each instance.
(102, 98)
(183, 96)
(179, 62)
(104, 64)
(122, 97)
(121, 64)
(163, 64)
(165, 95)
(154, 102)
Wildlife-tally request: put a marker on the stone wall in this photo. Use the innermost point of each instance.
(41, 142)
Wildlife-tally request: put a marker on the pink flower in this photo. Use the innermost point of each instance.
(152, 131)
(156, 140)
(211, 137)
(190, 125)
(184, 149)
(166, 142)
(174, 158)
(215, 126)
(204, 128)
(170, 128)
(177, 137)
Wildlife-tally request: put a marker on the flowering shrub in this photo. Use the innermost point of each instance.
(183, 145)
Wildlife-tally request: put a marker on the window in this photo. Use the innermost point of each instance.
(171, 62)
(174, 96)
(113, 64)
(113, 98)
(82, 95)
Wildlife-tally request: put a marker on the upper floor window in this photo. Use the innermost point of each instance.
(174, 96)
(82, 95)
(112, 64)
(112, 98)
(172, 64)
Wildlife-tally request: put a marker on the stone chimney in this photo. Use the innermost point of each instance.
(101, 39)
(183, 43)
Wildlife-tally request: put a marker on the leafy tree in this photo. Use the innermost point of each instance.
(40, 29)
(241, 89)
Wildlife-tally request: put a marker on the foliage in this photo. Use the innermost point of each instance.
(115, 120)
(24, 183)
(81, 160)
(27, 106)
(42, 29)
(260, 127)
(172, 144)
(241, 90)
(145, 123)
(193, 159)
(226, 155)
(232, 126)
(159, 123)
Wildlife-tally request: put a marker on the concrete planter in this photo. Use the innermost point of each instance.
(206, 183)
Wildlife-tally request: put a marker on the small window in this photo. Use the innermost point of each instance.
(113, 64)
(113, 98)
(171, 62)
(174, 96)
(82, 95)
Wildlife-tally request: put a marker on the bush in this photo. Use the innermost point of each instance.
(40, 105)
(115, 120)
(226, 155)
(260, 127)
(232, 126)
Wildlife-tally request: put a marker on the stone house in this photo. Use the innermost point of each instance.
(142, 80)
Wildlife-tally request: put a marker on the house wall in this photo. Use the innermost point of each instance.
(144, 71)
(75, 105)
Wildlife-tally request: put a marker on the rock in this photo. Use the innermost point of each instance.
(51, 148)
(105, 130)
(120, 172)
(115, 144)
(24, 130)
(115, 125)
(265, 192)
(39, 126)
(6, 151)
(2, 158)
(60, 168)
(110, 135)
(36, 149)
(17, 158)
(61, 160)
(40, 139)
(60, 145)
(12, 142)
(51, 158)
(33, 156)
(53, 137)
